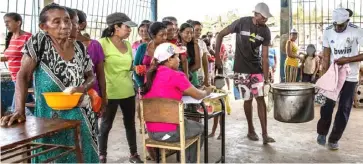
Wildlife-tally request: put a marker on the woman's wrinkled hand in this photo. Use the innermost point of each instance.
(9, 119)
(80, 89)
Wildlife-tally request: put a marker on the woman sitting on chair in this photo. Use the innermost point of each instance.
(163, 80)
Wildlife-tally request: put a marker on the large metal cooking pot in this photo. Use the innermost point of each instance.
(293, 102)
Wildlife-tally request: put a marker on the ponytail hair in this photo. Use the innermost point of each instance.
(7, 40)
(110, 30)
(190, 45)
(150, 75)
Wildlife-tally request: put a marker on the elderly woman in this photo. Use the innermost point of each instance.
(58, 62)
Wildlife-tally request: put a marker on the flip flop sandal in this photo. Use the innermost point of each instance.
(219, 137)
(268, 140)
(252, 137)
(149, 158)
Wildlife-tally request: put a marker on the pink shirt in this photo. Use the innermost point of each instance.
(170, 84)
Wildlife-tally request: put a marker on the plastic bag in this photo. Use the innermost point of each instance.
(267, 91)
(95, 100)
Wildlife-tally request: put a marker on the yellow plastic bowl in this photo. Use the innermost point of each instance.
(61, 100)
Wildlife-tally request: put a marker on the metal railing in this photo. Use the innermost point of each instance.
(311, 17)
(96, 11)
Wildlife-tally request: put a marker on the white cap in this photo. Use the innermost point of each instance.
(340, 15)
(263, 9)
(165, 50)
(293, 31)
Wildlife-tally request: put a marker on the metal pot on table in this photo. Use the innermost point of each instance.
(293, 102)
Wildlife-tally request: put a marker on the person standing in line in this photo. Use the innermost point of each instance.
(57, 62)
(250, 73)
(341, 42)
(144, 36)
(292, 60)
(97, 56)
(272, 60)
(14, 42)
(173, 20)
(169, 30)
(203, 76)
(119, 84)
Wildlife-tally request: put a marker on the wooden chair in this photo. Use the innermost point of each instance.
(166, 111)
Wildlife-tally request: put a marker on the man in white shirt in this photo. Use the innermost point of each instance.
(341, 42)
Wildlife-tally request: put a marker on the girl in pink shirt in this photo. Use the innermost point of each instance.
(163, 80)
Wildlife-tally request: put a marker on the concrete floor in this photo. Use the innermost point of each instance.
(296, 143)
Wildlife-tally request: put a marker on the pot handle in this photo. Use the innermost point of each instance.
(270, 89)
(317, 91)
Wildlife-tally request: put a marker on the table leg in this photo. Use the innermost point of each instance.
(223, 123)
(205, 132)
(28, 154)
(77, 144)
(157, 155)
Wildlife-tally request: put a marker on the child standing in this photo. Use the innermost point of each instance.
(310, 65)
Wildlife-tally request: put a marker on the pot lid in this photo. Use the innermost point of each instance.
(293, 86)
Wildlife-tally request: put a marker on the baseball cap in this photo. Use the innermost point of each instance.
(118, 17)
(340, 15)
(165, 50)
(263, 9)
(293, 31)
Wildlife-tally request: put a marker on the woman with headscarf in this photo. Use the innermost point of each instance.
(58, 62)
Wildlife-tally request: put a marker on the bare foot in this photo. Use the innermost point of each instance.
(267, 139)
(252, 136)
(211, 135)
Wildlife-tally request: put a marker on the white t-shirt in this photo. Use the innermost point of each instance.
(202, 49)
(344, 44)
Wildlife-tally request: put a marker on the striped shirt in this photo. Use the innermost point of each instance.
(14, 55)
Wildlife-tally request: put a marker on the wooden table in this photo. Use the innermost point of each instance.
(206, 116)
(14, 138)
(3, 58)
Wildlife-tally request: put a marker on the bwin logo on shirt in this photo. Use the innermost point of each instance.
(346, 50)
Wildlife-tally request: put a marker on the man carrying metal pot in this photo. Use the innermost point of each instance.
(250, 75)
(340, 42)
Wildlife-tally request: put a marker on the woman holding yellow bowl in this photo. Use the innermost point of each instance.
(58, 62)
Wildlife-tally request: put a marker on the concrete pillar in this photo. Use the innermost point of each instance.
(285, 25)
(154, 10)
